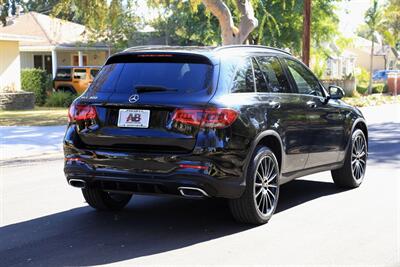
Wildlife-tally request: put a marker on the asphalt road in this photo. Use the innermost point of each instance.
(44, 222)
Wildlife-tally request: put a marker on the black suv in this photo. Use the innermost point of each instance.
(233, 122)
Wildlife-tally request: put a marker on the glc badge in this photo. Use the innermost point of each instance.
(133, 98)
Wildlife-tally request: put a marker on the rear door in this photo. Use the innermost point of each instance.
(325, 127)
(137, 97)
(283, 109)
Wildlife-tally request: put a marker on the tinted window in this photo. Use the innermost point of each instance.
(106, 79)
(124, 77)
(63, 74)
(183, 77)
(276, 81)
(304, 79)
(261, 83)
(80, 74)
(244, 79)
(93, 73)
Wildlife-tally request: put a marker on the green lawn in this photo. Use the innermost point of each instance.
(35, 117)
(371, 100)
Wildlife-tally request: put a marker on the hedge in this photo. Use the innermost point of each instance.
(377, 88)
(36, 81)
(60, 99)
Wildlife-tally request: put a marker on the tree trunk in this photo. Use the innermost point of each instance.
(371, 65)
(306, 32)
(231, 34)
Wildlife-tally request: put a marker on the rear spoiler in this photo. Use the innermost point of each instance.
(173, 57)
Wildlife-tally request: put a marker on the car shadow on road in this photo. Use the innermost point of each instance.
(149, 225)
(384, 143)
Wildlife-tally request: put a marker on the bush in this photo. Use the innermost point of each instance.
(60, 99)
(36, 81)
(385, 88)
(377, 88)
(362, 77)
(362, 90)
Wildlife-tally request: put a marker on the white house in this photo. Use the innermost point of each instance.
(63, 43)
(10, 64)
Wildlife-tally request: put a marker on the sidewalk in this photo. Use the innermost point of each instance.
(30, 142)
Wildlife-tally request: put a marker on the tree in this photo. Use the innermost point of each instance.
(40, 6)
(391, 23)
(183, 23)
(280, 22)
(230, 34)
(7, 7)
(373, 18)
(111, 22)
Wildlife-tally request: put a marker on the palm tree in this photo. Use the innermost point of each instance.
(373, 18)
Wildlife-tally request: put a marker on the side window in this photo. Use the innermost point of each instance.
(273, 74)
(261, 83)
(80, 74)
(63, 74)
(244, 79)
(304, 79)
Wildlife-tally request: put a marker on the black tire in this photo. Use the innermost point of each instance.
(101, 200)
(249, 208)
(347, 176)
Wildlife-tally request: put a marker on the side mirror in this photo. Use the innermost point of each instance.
(336, 92)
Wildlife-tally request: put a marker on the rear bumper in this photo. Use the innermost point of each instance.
(153, 183)
(220, 174)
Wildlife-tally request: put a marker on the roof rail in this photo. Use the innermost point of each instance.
(251, 46)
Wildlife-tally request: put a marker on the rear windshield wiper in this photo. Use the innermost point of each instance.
(151, 88)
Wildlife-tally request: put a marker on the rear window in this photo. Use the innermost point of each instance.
(181, 77)
(63, 74)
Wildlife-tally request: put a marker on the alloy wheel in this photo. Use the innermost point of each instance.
(359, 157)
(266, 185)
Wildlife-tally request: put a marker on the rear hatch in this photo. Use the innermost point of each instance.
(137, 98)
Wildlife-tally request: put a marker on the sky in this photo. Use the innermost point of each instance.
(351, 15)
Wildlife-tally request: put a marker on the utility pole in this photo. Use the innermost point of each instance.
(306, 31)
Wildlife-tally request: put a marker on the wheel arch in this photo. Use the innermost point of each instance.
(273, 141)
(361, 124)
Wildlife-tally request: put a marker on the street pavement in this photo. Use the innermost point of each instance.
(19, 143)
(45, 222)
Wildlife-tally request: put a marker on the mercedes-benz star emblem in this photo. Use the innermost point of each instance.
(133, 98)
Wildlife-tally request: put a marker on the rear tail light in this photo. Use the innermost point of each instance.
(207, 118)
(81, 112)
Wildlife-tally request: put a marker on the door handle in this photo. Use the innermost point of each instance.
(311, 104)
(274, 104)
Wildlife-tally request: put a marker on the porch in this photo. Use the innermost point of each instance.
(50, 59)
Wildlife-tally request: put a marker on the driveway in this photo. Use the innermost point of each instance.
(45, 222)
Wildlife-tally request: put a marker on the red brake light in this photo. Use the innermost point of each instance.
(218, 118)
(208, 118)
(81, 112)
(188, 116)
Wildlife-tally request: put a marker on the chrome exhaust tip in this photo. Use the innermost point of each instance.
(192, 192)
(77, 183)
